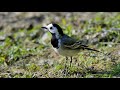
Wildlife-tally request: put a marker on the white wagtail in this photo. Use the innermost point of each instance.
(63, 44)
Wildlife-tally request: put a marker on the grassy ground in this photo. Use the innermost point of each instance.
(26, 52)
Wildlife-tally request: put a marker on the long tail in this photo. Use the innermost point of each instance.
(91, 49)
(86, 47)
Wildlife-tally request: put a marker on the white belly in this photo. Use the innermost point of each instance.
(66, 52)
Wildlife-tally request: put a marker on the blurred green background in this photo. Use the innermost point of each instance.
(26, 51)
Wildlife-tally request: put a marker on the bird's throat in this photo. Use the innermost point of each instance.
(54, 41)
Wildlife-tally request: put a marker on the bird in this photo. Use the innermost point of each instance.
(64, 44)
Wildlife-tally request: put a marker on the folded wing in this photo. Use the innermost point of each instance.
(71, 43)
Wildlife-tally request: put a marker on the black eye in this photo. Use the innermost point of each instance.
(50, 27)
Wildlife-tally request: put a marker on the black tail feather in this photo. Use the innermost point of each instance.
(91, 49)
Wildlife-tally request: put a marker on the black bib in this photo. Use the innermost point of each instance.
(54, 41)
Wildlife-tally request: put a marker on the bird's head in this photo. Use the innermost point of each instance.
(54, 29)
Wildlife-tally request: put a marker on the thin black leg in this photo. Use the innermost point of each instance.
(66, 62)
(65, 69)
(70, 61)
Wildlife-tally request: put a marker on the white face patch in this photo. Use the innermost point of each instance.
(53, 30)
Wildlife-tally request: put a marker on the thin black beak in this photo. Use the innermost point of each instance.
(43, 27)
